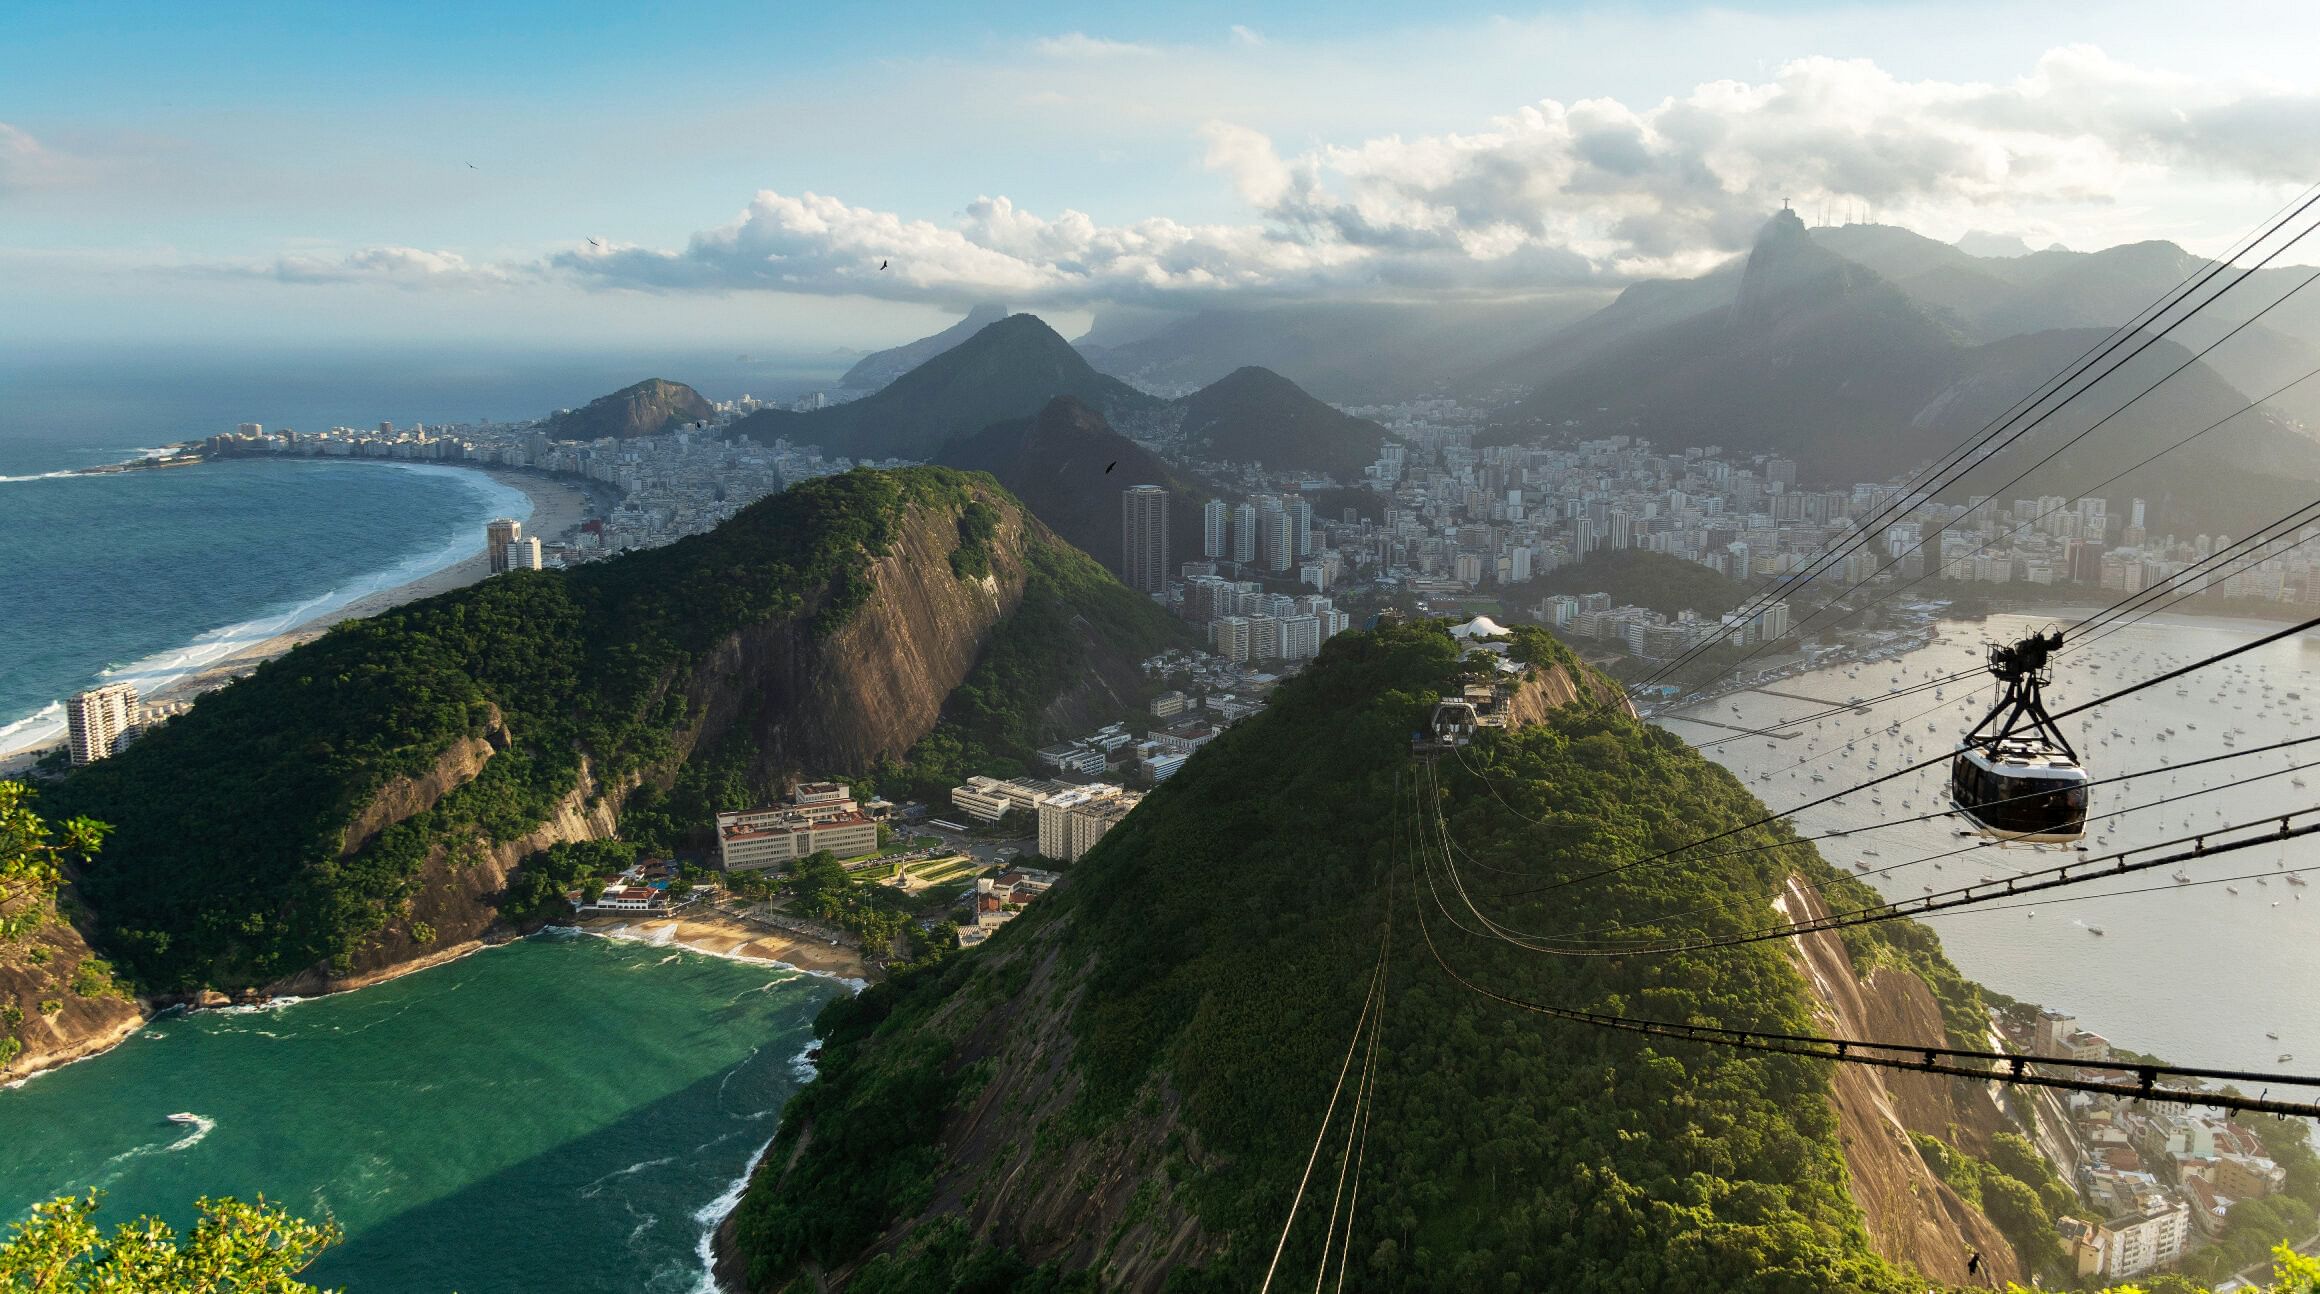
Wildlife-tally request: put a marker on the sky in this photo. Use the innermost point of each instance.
(734, 174)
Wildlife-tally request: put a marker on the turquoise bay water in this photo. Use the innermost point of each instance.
(566, 1113)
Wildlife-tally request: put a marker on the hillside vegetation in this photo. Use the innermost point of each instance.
(1122, 1087)
(291, 818)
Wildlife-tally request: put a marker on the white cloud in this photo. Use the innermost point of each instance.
(1551, 195)
(404, 267)
(1078, 45)
(26, 164)
(1247, 35)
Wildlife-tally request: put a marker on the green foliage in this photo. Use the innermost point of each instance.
(233, 865)
(536, 891)
(1639, 576)
(33, 855)
(1215, 942)
(254, 1248)
(2015, 1188)
(978, 522)
(93, 977)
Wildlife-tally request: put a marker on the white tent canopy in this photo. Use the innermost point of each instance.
(1480, 627)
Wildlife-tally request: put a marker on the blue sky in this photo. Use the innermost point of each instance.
(435, 172)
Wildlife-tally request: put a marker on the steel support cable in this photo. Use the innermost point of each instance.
(2097, 425)
(1835, 708)
(2046, 390)
(2129, 690)
(1889, 869)
(2184, 595)
(1357, 1126)
(2167, 300)
(2066, 899)
(2117, 615)
(1994, 1066)
(2252, 545)
(2003, 837)
(1329, 1113)
(2245, 409)
(2120, 864)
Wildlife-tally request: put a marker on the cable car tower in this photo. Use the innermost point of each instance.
(2015, 776)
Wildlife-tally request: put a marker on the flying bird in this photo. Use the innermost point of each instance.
(595, 243)
(471, 166)
(1109, 466)
(881, 265)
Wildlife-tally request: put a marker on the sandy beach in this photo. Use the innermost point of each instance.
(719, 935)
(557, 509)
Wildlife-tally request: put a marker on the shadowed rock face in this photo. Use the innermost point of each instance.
(839, 703)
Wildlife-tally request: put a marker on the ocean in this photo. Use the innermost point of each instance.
(145, 576)
(562, 1113)
(2199, 972)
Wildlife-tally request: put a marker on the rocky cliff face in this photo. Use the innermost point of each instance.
(44, 1006)
(876, 686)
(1911, 1214)
(805, 702)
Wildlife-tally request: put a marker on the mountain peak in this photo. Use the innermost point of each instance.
(1784, 266)
(641, 409)
(880, 367)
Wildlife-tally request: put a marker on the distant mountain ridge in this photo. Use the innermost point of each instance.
(647, 408)
(1862, 351)
(1069, 467)
(1254, 415)
(878, 368)
(1007, 370)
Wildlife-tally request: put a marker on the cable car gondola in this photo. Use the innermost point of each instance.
(2015, 775)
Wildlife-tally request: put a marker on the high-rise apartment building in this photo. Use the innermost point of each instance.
(1144, 538)
(1244, 534)
(1215, 538)
(522, 555)
(99, 721)
(498, 534)
(1300, 528)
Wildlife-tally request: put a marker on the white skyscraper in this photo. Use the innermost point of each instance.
(521, 555)
(98, 719)
(1215, 535)
(1244, 536)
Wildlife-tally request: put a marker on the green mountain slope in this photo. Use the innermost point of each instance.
(1069, 467)
(365, 799)
(1008, 370)
(646, 409)
(1254, 415)
(1122, 1088)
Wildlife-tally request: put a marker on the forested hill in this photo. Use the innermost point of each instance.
(365, 799)
(1257, 415)
(1009, 369)
(1122, 1088)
